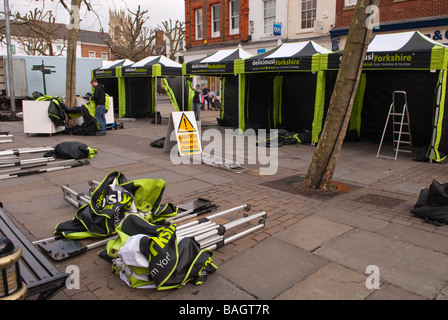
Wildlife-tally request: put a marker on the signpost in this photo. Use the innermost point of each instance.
(187, 134)
(42, 68)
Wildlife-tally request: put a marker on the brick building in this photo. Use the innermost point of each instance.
(427, 16)
(93, 46)
(90, 44)
(216, 22)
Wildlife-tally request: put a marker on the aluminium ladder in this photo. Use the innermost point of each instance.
(400, 126)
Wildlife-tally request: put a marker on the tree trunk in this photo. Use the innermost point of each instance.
(323, 164)
(70, 85)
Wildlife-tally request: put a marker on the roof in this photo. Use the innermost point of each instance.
(291, 56)
(153, 66)
(404, 50)
(220, 62)
(61, 32)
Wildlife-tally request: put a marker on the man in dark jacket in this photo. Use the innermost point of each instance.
(99, 96)
(197, 102)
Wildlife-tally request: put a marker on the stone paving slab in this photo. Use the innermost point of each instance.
(311, 232)
(418, 237)
(215, 288)
(416, 269)
(347, 216)
(390, 292)
(283, 266)
(331, 282)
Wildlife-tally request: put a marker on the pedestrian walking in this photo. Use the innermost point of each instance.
(205, 93)
(99, 97)
(197, 102)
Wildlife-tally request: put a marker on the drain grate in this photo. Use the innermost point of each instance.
(379, 201)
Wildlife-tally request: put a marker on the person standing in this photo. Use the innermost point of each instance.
(205, 93)
(99, 96)
(197, 102)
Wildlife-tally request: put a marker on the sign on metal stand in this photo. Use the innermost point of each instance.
(187, 134)
(43, 68)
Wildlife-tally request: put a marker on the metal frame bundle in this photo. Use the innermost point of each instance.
(11, 158)
(6, 137)
(205, 231)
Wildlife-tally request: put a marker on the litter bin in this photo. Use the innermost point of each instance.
(11, 284)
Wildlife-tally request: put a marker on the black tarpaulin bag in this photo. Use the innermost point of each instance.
(105, 211)
(72, 150)
(432, 204)
(168, 264)
(111, 201)
(56, 112)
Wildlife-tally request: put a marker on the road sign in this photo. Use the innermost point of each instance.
(43, 68)
(277, 29)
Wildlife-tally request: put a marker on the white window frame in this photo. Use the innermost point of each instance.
(350, 3)
(104, 55)
(302, 10)
(198, 24)
(232, 28)
(216, 32)
(91, 54)
(269, 18)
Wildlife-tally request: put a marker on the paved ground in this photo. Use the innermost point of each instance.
(312, 247)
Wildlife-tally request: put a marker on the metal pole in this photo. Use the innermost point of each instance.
(246, 208)
(229, 225)
(183, 92)
(10, 79)
(234, 237)
(43, 77)
(155, 101)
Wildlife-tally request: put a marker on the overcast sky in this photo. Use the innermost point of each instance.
(158, 10)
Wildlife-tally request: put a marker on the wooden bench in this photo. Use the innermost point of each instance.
(41, 277)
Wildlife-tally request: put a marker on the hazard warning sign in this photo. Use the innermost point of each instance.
(185, 124)
(187, 134)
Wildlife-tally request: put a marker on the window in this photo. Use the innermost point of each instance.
(91, 54)
(13, 49)
(59, 48)
(215, 21)
(234, 16)
(269, 15)
(198, 17)
(349, 3)
(104, 55)
(308, 13)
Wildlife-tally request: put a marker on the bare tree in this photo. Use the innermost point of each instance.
(323, 164)
(174, 33)
(36, 30)
(131, 38)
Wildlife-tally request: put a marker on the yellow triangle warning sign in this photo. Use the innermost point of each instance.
(185, 125)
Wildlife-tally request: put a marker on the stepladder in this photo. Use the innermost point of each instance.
(397, 127)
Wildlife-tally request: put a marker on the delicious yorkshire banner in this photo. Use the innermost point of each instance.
(136, 71)
(278, 64)
(388, 60)
(103, 73)
(211, 67)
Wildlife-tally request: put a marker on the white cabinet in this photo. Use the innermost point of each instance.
(36, 120)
